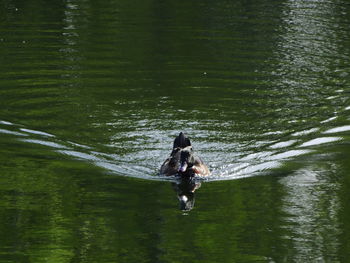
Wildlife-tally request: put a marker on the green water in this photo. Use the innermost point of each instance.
(93, 93)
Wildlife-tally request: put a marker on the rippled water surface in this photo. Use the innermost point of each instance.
(93, 93)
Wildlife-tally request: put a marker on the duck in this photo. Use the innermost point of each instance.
(183, 161)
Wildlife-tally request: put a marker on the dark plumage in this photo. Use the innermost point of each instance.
(183, 161)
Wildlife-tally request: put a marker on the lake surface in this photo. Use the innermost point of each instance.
(93, 93)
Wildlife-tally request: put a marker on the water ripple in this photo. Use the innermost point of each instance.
(143, 157)
(321, 140)
(338, 129)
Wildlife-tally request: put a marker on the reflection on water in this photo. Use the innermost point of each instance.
(185, 188)
(312, 232)
(321, 140)
(92, 94)
(338, 129)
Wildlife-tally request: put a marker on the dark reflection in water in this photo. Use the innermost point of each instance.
(185, 188)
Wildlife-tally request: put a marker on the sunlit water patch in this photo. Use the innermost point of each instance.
(311, 231)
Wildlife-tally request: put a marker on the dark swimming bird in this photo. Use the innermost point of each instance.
(183, 161)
